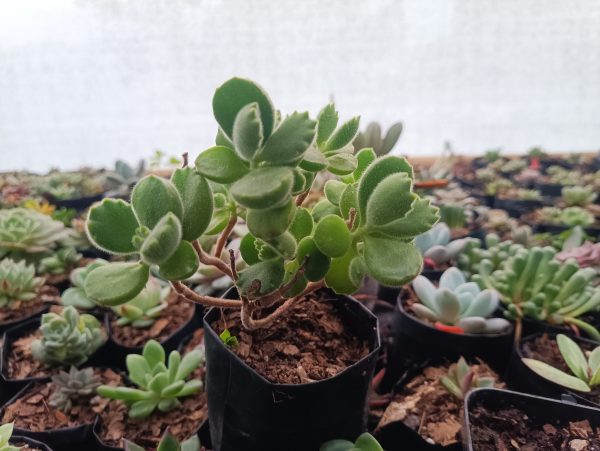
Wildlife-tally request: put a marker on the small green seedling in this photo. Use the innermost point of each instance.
(366, 442)
(230, 341)
(461, 379)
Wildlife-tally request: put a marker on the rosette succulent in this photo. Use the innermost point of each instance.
(72, 386)
(435, 245)
(68, 338)
(456, 302)
(17, 282)
(25, 233)
(461, 379)
(76, 295)
(146, 307)
(578, 196)
(586, 255)
(261, 170)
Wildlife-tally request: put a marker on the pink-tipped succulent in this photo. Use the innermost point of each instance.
(587, 255)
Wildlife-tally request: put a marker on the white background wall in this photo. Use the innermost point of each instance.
(87, 81)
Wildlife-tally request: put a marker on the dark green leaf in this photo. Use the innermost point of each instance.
(220, 164)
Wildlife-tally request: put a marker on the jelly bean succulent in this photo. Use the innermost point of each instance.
(76, 295)
(144, 309)
(67, 338)
(491, 249)
(585, 369)
(533, 284)
(578, 196)
(260, 172)
(365, 442)
(60, 262)
(436, 247)
(169, 442)
(160, 384)
(6, 431)
(73, 386)
(17, 283)
(373, 138)
(27, 233)
(459, 303)
(461, 379)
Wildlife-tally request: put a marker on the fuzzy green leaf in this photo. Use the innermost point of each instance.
(163, 240)
(248, 132)
(418, 220)
(197, 200)
(264, 188)
(573, 356)
(342, 164)
(338, 277)
(344, 135)
(220, 164)
(392, 262)
(391, 199)
(334, 190)
(152, 198)
(116, 283)
(332, 236)
(324, 208)
(313, 161)
(364, 157)
(111, 225)
(142, 409)
(269, 273)
(317, 264)
(289, 141)
(326, 123)
(271, 223)
(182, 264)
(302, 225)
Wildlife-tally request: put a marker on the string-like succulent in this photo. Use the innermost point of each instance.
(24, 231)
(578, 196)
(435, 244)
(60, 261)
(261, 169)
(68, 338)
(585, 369)
(365, 442)
(72, 386)
(6, 431)
(457, 302)
(159, 386)
(146, 307)
(169, 442)
(373, 138)
(533, 284)
(17, 282)
(461, 379)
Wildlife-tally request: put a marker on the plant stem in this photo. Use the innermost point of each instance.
(224, 235)
(209, 301)
(210, 260)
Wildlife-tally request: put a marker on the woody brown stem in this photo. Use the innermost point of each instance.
(232, 264)
(224, 235)
(269, 300)
(351, 219)
(185, 160)
(301, 197)
(210, 260)
(208, 301)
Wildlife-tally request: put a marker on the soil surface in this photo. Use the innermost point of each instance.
(545, 349)
(195, 342)
(172, 318)
(309, 343)
(21, 310)
(32, 411)
(425, 406)
(20, 363)
(509, 429)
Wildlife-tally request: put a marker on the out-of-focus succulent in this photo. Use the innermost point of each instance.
(534, 284)
(6, 431)
(72, 386)
(169, 442)
(586, 255)
(569, 217)
(578, 196)
(68, 338)
(494, 251)
(498, 187)
(528, 194)
(492, 155)
(40, 206)
(461, 379)
(585, 369)
(436, 246)
(120, 181)
(69, 185)
(485, 175)
(512, 166)
(160, 386)
(60, 261)
(372, 137)
(365, 442)
(146, 307)
(561, 176)
(17, 282)
(24, 232)
(453, 215)
(457, 302)
(75, 295)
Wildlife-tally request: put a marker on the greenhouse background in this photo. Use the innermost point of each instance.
(85, 82)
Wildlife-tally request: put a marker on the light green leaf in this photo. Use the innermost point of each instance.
(264, 188)
(220, 164)
(197, 200)
(418, 220)
(163, 240)
(391, 199)
(269, 273)
(594, 359)
(142, 409)
(169, 443)
(327, 122)
(392, 262)
(342, 163)
(289, 141)
(111, 225)
(333, 191)
(152, 198)
(558, 377)
(181, 265)
(344, 135)
(332, 237)
(116, 283)
(338, 277)
(364, 157)
(248, 132)
(302, 225)
(573, 356)
(313, 161)
(271, 223)
(154, 353)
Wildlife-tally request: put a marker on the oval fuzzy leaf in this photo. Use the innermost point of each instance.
(338, 277)
(111, 225)
(349, 200)
(220, 164)
(418, 220)
(364, 157)
(268, 224)
(333, 191)
(269, 273)
(332, 236)
(342, 163)
(182, 265)
(289, 141)
(197, 200)
(163, 240)
(326, 123)
(248, 132)
(317, 263)
(235, 94)
(116, 283)
(392, 262)
(324, 208)
(344, 135)
(313, 161)
(152, 198)
(264, 188)
(557, 376)
(248, 249)
(302, 225)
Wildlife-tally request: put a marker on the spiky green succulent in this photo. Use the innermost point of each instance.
(169, 442)
(17, 282)
(73, 385)
(146, 307)
(456, 302)
(6, 431)
(159, 385)
(68, 338)
(461, 379)
(561, 176)
(60, 261)
(578, 196)
(25, 232)
(373, 138)
(435, 244)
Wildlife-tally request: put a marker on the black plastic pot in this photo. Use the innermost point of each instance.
(9, 387)
(18, 440)
(417, 342)
(538, 409)
(247, 412)
(390, 294)
(79, 203)
(549, 189)
(557, 229)
(61, 439)
(171, 343)
(520, 377)
(17, 322)
(516, 207)
(397, 436)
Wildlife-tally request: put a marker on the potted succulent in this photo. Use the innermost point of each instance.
(517, 202)
(261, 171)
(587, 255)
(57, 267)
(77, 190)
(438, 249)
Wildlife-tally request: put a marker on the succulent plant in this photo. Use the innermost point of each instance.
(528, 194)
(24, 232)
(6, 431)
(365, 442)
(17, 282)
(69, 185)
(585, 369)
(493, 250)
(72, 386)
(485, 175)
(146, 307)
(75, 295)
(461, 379)
(561, 176)
(123, 177)
(492, 155)
(67, 338)
(60, 261)
(261, 170)
(453, 215)
(576, 216)
(533, 284)
(586, 255)
(159, 386)
(512, 166)
(497, 187)
(436, 246)
(169, 442)
(373, 138)
(459, 303)
(578, 196)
